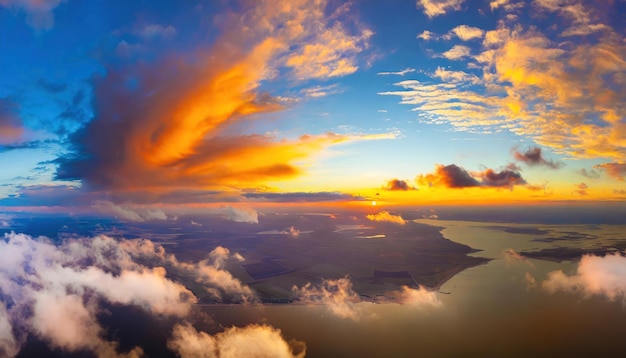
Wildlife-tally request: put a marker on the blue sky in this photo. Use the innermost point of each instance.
(337, 97)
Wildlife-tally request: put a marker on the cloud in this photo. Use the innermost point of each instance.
(185, 134)
(434, 8)
(44, 284)
(320, 91)
(595, 276)
(503, 178)
(467, 33)
(385, 216)
(397, 73)
(589, 174)
(566, 98)
(457, 52)
(250, 341)
(616, 170)
(156, 30)
(39, 14)
(533, 157)
(302, 197)
(453, 176)
(11, 129)
(336, 295)
(450, 176)
(398, 185)
(427, 35)
(456, 76)
(581, 17)
(420, 297)
(582, 189)
(241, 214)
(128, 212)
(291, 231)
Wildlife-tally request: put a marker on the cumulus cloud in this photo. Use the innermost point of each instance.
(453, 176)
(242, 214)
(420, 297)
(427, 35)
(39, 14)
(385, 216)
(434, 8)
(250, 341)
(533, 156)
(595, 276)
(336, 295)
(398, 185)
(44, 284)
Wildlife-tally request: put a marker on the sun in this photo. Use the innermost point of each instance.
(373, 202)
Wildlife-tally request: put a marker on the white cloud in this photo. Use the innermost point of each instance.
(129, 212)
(241, 214)
(251, 341)
(336, 295)
(434, 8)
(397, 73)
(47, 284)
(427, 35)
(455, 76)
(457, 52)
(467, 33)
(595, 276)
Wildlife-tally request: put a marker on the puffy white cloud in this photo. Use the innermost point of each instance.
(241, 214)
(47, 283)
(595, 276)
(336, 295)
(420, 297)
(251, 341)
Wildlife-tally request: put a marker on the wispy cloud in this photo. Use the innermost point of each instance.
(11, 129)
(39, 14)
(457, 52)
(533, 157)
(397, 73)
(467, 33)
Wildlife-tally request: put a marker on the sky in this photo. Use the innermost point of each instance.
(110, 107)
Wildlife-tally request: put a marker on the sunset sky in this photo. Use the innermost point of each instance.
(110, 105)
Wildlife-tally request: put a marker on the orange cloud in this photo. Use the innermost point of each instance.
(175, 127)
(385, 216)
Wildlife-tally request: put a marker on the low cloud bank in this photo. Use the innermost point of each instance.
(43, 283)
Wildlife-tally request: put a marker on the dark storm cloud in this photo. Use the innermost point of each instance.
(534, 157)
(504, 178)
(450, 176)
(453, 176)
